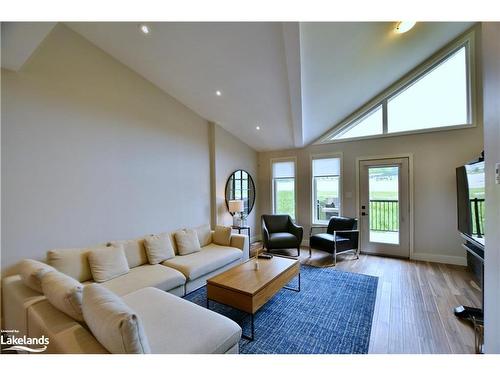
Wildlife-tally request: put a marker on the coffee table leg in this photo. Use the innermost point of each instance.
(252, 329)
(295, 290)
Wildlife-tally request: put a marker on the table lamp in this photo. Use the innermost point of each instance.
(236, 207)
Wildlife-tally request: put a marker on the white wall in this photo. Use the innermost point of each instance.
(92, 152)
(491, 79)
(435, 156)
(232, 154)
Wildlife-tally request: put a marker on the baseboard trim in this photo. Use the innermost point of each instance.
(437, 258)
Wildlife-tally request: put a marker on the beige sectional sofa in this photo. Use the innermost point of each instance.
(172, 324)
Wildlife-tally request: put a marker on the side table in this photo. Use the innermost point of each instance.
(240, 228)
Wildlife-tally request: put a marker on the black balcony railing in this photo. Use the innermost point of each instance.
(477, 212)
(384, 215)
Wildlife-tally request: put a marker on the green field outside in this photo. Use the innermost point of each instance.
(285, 203)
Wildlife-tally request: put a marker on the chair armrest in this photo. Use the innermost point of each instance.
(316, 227)
(354, 231)
(242, 242)
(296, 230)
(345, 231)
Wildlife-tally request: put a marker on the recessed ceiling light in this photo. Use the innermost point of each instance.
(404, 26)
(145, 29)
(257, 127)
(218, 93)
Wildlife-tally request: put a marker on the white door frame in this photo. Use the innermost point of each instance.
(410, 186)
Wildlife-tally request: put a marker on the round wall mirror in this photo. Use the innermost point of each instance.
(240, 186)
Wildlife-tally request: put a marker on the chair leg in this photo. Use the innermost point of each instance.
(298, 251)
(334, 254)
(310, 251)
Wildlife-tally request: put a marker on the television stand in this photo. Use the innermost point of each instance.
(473, 314)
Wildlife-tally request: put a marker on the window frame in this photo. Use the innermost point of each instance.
(467, 40)
(273, 199)
(360, 119)
(330, 155)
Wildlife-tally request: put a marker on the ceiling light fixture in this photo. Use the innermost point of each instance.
(257, 127)
(145, 29)
(404, 26)
(218, 93)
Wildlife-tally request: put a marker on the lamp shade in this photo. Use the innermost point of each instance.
(236, 206)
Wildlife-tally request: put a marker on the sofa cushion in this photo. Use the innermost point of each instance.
(222, 235)
(108, 262)
(209, 259)
(31, 272)
(187, 241)
(72, 262)
(282, 239)
(158, 248)
(134, 251)
(64, 293)
(174, 325)
(157, 276)
(115, 325)
(204, 234)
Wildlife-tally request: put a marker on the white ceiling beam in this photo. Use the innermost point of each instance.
(291, 37)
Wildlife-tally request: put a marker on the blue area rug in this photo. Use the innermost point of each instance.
(332, 314)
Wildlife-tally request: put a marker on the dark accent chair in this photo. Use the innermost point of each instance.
(279, 232)
(341, 235)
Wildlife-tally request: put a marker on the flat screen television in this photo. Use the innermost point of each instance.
(471, 201)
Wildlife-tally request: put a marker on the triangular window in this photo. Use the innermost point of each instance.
(438, 94)
(369, 124)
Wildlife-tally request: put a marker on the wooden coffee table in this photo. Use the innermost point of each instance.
(247, 289)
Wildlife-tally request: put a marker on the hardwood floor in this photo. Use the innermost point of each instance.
(415, 301)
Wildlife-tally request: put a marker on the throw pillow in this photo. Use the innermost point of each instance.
(106, 263)
(204, 234)
(222, 235)
(158, 248)
(114, 324)
(135, 251)
(64, 293)
(187, 242)
(72, 262)
(31, 272)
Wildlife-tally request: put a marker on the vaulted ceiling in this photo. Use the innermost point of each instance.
(344, 65)
(295, 81)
